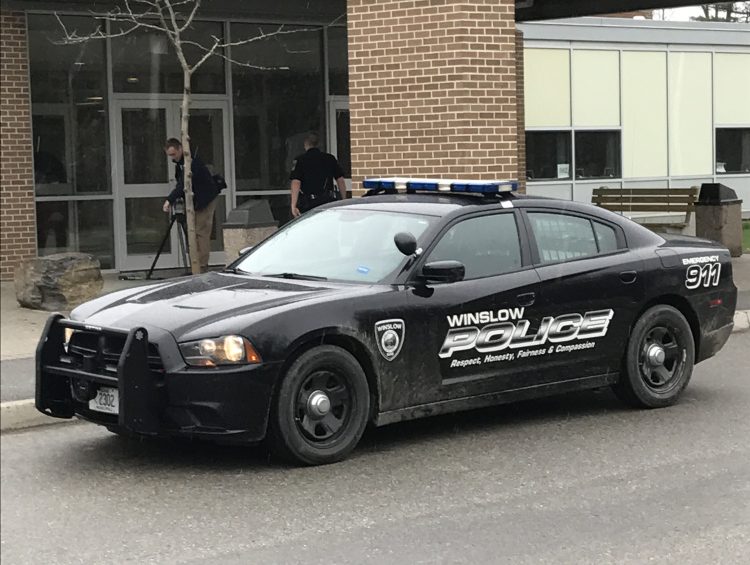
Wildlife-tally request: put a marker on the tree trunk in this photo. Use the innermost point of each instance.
(195, 264)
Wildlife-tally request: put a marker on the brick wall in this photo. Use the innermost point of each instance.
(432, 88)
(520, 113)
(17, 215)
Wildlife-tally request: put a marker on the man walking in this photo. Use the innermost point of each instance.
(204, 197)
(313, 177)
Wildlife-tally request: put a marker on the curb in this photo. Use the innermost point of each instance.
(741, 321)
(22, 414)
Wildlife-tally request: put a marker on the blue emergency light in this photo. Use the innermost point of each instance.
(404, 184)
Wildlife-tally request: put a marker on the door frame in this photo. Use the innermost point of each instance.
(336, 103)
(120, 191)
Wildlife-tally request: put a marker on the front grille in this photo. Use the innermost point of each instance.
(96, 352)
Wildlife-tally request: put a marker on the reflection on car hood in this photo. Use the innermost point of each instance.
(185, 303)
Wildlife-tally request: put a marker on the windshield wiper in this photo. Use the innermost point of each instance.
(235, 271)
(297, 276)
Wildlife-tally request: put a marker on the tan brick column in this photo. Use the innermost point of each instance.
(520, 113)
(432, 88)
(17, 212)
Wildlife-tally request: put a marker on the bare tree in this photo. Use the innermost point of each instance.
(174, 19)
(725, 12)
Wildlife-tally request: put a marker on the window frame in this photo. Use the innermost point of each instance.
(526, 260)
(622, 245)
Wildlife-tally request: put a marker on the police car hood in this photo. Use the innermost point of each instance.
(185, 304)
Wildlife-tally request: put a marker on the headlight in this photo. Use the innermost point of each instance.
(226, 350)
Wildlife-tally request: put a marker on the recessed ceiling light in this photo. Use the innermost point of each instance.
(132, 80)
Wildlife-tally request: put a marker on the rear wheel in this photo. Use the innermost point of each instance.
(659, 359)
(321, 408)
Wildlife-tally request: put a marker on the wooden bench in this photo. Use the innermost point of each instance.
(629, 201)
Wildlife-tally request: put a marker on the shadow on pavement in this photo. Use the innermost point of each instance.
(179, 454)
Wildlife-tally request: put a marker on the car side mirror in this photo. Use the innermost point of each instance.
(443, 272)
(405, 242)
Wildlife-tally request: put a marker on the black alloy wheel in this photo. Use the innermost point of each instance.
(659, 359)
(321, 407)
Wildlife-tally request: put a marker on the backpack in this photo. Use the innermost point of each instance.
(220, 182)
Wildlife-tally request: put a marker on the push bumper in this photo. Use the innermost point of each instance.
(228, 405)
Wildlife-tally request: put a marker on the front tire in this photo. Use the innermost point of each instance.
(321, 407)
(659, 359)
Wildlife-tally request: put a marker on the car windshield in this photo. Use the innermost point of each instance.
(344, 244)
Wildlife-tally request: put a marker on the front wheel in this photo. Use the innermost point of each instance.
(321, 407)
(659, 359)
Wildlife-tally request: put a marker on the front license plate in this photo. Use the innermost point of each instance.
(107, 400)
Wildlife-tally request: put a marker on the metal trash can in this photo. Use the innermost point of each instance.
(248, 224)
(718, 216)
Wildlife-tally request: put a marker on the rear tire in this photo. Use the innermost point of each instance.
(321, 407)
(659, 359)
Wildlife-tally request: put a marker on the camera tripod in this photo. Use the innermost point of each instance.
(178, 217)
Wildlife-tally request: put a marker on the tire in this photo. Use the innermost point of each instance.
(320, 409)
(659, 359)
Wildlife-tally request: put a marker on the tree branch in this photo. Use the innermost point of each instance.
(191, 16)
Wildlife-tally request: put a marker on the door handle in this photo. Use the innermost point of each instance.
(628, 277)
(526, 299)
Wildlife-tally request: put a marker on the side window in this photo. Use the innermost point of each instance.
(605, 237)
(560, 237)
(486, 245)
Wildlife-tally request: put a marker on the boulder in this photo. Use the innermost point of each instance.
(58, 282)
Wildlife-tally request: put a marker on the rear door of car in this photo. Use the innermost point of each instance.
(591, 288)
(463, 329)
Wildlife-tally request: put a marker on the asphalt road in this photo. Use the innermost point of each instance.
(574, 479)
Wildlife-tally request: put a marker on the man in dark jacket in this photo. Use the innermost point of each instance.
(204, 197)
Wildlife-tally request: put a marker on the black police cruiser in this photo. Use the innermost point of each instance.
(446, 296)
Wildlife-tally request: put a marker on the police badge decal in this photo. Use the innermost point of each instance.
(390, 337)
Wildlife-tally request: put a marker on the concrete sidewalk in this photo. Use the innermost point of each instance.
(21, 328)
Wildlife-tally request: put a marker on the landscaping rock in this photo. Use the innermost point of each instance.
(58, 282)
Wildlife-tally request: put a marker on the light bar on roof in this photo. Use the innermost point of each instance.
(441, 185)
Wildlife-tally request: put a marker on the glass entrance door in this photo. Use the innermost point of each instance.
(144, 177)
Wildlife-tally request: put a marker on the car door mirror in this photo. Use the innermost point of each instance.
(443, 272)
(405, 242)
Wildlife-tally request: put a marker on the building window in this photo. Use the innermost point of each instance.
(732, 150)
(144, 61)
(548, 155)
(276, 102)
(486, 246)
(69, 109)
(78, 225)
(598, 154)
(70, 136)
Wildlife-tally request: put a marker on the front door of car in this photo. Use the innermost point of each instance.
(591, 286)
(471, 332)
